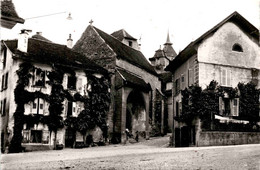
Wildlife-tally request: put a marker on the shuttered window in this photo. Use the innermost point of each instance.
(221, 106)
(235, 107)
(225, 77)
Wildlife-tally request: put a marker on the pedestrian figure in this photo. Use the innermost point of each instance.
(136, 136)
(128, 133)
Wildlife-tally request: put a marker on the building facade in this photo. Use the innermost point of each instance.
(228, 54)
(28, 89)
(134, 82)
(159, 61)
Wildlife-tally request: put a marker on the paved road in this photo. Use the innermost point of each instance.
(152, 154)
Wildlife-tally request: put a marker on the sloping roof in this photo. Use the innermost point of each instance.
(189, 50)
(9, 17)
(133, 79)
(51, 53)
(158, 54)
(121, 34)
(40, 37)
(126, 53)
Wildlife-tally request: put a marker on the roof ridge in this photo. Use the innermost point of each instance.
(117, 40)
(128, 71)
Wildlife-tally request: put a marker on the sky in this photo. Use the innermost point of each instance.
(147, 20)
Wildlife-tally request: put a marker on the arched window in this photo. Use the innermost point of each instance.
(237, 47)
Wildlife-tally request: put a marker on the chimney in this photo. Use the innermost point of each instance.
(69, 42)
(23, 40)
(39, 33)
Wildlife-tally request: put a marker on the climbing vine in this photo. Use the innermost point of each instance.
(22, 97)
(95, 105)
(204, 104)
(249, 102)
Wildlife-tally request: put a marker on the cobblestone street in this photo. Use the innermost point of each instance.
(152, 154)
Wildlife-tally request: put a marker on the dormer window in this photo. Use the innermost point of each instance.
(237, 47)
(130, 43)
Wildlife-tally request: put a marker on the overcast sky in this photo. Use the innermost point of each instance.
(186, 20)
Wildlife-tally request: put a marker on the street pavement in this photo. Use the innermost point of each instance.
(151, 154)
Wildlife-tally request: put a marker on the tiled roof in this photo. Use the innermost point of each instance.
(40, 37)
(51, 53)
(158, 54)
(8, 12)
(126, 53)
(189, 50)
(121, 34)
(133, 79)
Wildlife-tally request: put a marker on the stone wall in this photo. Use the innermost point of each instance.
(228, 138)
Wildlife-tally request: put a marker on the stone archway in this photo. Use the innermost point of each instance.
(136, 113)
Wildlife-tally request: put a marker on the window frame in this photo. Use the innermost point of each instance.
(225, 79)
(237, 48)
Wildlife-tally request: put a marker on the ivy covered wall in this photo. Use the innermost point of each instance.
(96, 104)
(204, 104)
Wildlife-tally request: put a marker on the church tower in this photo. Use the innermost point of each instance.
(168, 49)
(162, 57)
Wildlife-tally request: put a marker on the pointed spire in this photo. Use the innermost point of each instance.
(168, 42)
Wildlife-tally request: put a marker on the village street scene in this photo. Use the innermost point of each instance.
(134, 85)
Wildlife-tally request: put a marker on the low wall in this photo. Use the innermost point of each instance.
(36, 147)
(228, 138)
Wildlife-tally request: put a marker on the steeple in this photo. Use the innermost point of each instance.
(168, 49)
(168, 42)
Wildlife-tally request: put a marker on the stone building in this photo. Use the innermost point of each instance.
(44, 58)
(159, 61)
(228, 53)
(134, 81)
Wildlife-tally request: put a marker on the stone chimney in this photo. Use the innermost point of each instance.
(23, 40)
(39, 33)
(69, 42)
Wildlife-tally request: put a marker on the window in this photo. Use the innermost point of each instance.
(225, 77)
(182, 82)
(178, 108)
(4, 81)
(38, 106)
(237, 47)
(3, 107)
(39, 77)
(190, 77)
(4, 58)
(177, 86)
(130, 43)
(228, 107)
(71, 82)
(235, 107)
(71, 110)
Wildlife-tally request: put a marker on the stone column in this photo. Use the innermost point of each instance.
(147, 106)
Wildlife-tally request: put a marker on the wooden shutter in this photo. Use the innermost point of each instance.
(228, 77)
(191, 77)
(223, 77)
(235, 107)
(221, 106)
